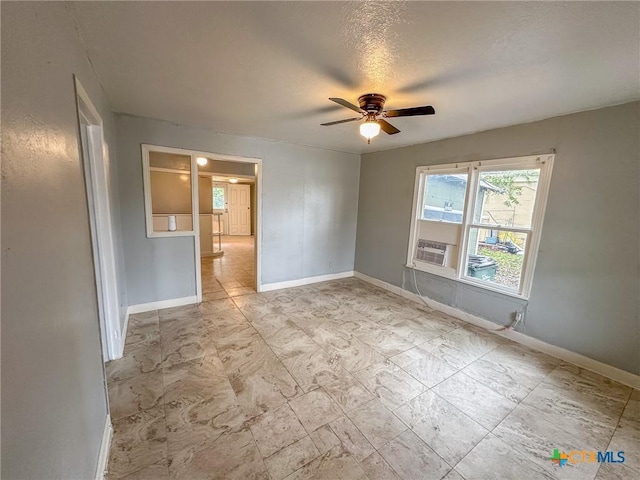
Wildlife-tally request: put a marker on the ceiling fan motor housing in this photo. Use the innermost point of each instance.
(372, 102)
(371, 107)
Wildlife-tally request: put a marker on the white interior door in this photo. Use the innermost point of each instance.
(239, 210)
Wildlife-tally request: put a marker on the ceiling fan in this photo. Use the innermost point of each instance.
(371, 108)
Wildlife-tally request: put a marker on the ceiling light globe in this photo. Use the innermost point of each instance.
(369, 129)
(201, 161)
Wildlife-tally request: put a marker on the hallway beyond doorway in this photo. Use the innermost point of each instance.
(234, 273)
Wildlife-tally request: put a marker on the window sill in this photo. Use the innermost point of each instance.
(455, 278)
(171, 234)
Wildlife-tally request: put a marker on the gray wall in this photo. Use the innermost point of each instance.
(309, 209)
(585, 288)
(53, 397)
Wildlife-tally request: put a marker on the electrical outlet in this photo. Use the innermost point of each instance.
(518, 316)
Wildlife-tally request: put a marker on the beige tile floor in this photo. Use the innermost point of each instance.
(233, 273)
(342, 380)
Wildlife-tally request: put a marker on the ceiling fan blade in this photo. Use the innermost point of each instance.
(344, 103)
(387, 127)
(409, 112)
(340, 121)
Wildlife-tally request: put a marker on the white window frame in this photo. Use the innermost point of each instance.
(473, 170)
(146, 176)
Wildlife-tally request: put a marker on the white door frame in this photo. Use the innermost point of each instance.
(95, 161)
(146, 148)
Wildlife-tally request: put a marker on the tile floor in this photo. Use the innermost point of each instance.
(233, 273)
(342, 380)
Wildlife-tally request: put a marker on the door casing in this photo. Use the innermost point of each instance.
(95, 162)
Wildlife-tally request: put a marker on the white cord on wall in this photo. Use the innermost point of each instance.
(415, 284)
(514, 324)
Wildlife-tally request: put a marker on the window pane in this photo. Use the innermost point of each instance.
(170, 161)
(171, 196)
(499, 262)
(444, 197)
(218, 198)
(506, 198)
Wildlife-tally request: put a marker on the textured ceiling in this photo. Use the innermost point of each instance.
(266, 69)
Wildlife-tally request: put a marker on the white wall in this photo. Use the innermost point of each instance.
(53, 397)
(309, 203)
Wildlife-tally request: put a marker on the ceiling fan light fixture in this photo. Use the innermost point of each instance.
(372, 110)
(370, 129)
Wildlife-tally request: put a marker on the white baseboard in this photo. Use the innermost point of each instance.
(587, 363)
(103, 457)
(149, 307)
(174, 302)
(123, 335)
(304, 281)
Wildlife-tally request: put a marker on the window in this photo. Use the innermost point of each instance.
(480, 222)
(170, 178)
(218, 197)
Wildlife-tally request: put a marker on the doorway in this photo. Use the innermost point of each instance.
(224, 265)
(228, 259)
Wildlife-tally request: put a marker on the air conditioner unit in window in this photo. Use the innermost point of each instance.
(432, 252)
